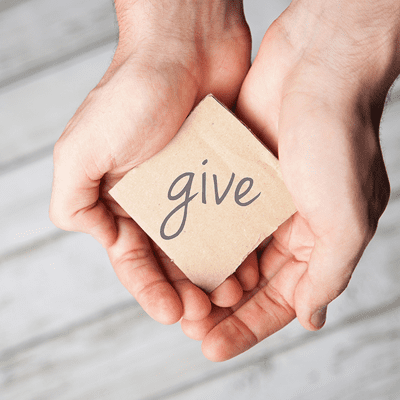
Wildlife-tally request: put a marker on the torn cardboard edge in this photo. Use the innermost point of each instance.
(210, 197)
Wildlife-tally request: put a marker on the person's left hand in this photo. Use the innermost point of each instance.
(304, 103)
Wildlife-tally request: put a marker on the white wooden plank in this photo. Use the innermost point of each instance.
(25, 217)
(41, 274)
(56, 302)
(102, 358)
(51, 287)
(390, 137)
(24, 206)
(25, 221)
(127, 355)
(20, 212)
(38, 33)
(38, 300)
(34, 114)
(55, 346)
(42, 32)
(92, 376)
(361, 362)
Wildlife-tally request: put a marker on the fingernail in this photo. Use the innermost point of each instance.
(319, 317)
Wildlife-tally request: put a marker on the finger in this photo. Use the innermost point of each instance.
(136, 267)
(247, 273)
(266, 312)
(198, 330)
(228, 293)
(196, 304)
(293, 240)
(327, 276)
(328, 187)
(273, 259)
(307, 299)
(231, 290)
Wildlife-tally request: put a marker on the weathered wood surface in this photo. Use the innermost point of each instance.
(69, 330)
(350, 363)
(34, 112)
(37, 34)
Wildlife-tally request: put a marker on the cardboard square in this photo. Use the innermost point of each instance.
(210, 197)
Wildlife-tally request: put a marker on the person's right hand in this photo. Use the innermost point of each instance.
(170, 55)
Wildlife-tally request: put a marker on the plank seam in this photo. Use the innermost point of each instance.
(6, 5)
(34, 245)
(41, 339)
(303, 340)
(23, 161)
(9, 81)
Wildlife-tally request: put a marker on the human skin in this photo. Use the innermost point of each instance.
(315, 96)
(171, 53)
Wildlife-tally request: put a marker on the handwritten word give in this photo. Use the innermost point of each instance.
(187, 197)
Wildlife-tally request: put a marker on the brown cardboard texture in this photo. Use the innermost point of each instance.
(210, 197)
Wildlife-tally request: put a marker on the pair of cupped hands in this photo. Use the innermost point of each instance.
(314, 96)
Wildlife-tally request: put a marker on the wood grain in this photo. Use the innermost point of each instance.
(360, 361)
(42, 33)
(47, 288)
(125, 354)
(69, 330)
(34, 113)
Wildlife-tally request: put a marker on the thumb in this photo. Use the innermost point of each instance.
(75, 203)
(327, 276)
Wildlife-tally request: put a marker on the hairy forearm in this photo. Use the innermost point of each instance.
(189, 17)
(198, 35)
(172, 28)
(355, 39)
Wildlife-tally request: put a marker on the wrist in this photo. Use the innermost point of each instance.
(178, 23)
(204, 42)
(355, 41)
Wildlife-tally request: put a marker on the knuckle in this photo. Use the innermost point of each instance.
(58, 216)
(273, 295)
(145, 294)
(140, 257)
(59, 220)
(248, 337)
